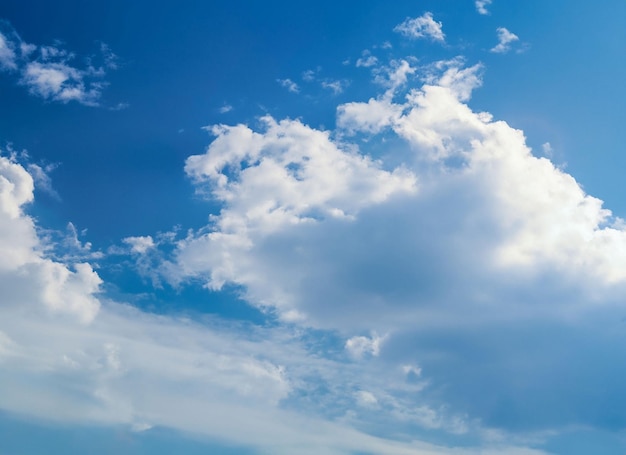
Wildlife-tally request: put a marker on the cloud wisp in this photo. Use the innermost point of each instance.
(505, 41)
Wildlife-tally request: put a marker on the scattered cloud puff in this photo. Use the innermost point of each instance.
(225, 108)
(366, 399)
(50, 72)
(421, 27)
(505, 39)
(139, 244)
(308, 75)
(336, 86)
(289, 85)
(366, 60)
(359, 346)
(481, 6)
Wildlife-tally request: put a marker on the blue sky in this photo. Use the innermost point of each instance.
(340, 227)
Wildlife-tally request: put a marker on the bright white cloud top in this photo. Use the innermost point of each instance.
(424, 26)
(426, 282)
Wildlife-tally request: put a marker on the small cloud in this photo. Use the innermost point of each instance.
(225, 108)
(547, 149)
(139, 244)
(110, 58)
(366, 399)
(308, 75)
(337, 87)
(505, 39)
(366, 60)
(481, 6)
(289, 85)
(359, 346)
(412, 372)
(140, 427)
(421, 27)
(119, 107)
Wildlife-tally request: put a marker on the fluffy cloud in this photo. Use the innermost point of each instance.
(140, 244)
(505, 38)
(423, 26)
(30, 281)
(265, 388)
(285, 176)
(473, 234)
(290, 188)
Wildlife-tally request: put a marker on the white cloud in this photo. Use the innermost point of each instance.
(291, 197)
(50, 72)
(309, 75)
(505, 38)
(42, 178)
(225, 108)
(372, 117)
(7, 53)
(366, 399)
(421, 27)
(59, 82)
(366, 60)
(358, 346)
(289, 85)
(481, 6)
(336, 87)
(395, 75)
(308, 222)
(288, 175)
(140, 244)
(29, 281)
(124, 366)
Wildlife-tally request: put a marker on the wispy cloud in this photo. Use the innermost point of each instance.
(424, 26)
(225, 108)
(7, 53)
(289, 85)
(366, 60)
(505, 39)
(336, 86)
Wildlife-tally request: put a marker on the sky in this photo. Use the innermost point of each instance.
(345, 228)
